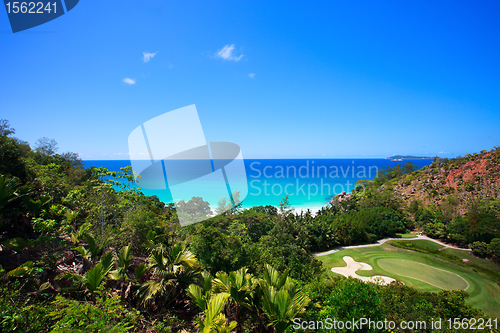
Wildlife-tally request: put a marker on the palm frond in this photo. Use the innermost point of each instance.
(107, 262)
(22, 270)
(94, 277)
(140, 270)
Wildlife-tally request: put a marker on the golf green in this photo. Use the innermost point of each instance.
(436, 277)
(483, 290)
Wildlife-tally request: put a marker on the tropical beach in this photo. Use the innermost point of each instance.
(310, 183)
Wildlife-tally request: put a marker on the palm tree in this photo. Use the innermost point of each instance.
(120, 273)
(282, 300)
(34, 208)
(93, 277)
(11, 190)
(240, 286)
(211, 304)
(70, 220)
(124, 259)
(94, 247)
(76, 235)
(200, 295)
(171, 270)
(213, 320)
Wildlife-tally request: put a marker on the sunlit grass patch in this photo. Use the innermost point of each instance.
(434, 276)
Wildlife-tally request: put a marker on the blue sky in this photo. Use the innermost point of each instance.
(280, 79)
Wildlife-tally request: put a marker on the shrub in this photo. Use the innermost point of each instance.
(408, 180)
(479, 248)
(352, 298)
(435, 230)
(469, 187)
(494, 248)
(458, 239)
(106, 315)
(22, 311)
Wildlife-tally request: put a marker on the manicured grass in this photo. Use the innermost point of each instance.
(484, 293)
(486, 263)
(407, 235)
(418, 245)
(431, 275)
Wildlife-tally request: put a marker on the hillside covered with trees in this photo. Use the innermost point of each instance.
(83, 250)
(454, 200)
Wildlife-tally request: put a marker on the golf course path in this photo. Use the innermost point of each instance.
(382, 241)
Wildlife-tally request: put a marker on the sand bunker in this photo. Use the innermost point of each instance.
(353, 266)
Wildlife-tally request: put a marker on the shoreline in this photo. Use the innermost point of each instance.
(314, 210)
(299, 209)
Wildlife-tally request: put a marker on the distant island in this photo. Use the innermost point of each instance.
(407, 157)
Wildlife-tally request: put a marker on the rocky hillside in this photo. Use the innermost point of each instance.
(455, 180)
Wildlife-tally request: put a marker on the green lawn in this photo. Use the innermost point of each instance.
(419, 244)
(489, 264)
(407, 235)
(484, 293)
(434, 276)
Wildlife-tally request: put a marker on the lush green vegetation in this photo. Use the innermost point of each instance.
(437, 200)
(85, 250)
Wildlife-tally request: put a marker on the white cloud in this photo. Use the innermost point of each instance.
(226, 53)
(251, 75)
(147, 56)
(128, 80)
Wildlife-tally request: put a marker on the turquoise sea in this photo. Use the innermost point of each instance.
(310, 183)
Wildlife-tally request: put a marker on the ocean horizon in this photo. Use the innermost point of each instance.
(310, 183)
